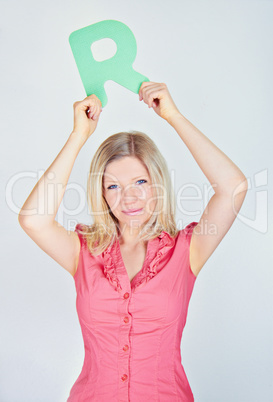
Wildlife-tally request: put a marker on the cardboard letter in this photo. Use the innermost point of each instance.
(118, 68)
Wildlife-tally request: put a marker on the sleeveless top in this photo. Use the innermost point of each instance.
(132, 330)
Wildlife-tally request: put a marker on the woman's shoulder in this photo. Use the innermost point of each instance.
(186, 233)
(82, 231)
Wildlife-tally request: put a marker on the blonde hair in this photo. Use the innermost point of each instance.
(105, 229)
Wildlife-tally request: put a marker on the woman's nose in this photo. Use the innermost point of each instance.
(132, 194)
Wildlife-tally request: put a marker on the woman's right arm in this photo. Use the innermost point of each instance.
(37, 216)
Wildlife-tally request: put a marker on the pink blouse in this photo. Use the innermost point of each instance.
(132, 330)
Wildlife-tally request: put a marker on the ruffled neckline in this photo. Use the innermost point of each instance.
(113, 262)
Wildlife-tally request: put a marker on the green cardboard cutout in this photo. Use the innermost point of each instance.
(118, 68)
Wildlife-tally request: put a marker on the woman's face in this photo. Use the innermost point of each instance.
(128, 192)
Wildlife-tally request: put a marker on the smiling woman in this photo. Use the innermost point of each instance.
(130, 191)
(134, 271)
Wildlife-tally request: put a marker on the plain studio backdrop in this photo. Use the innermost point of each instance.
(216, 59)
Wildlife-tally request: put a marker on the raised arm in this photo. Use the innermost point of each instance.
(227, 180)
(37, 216)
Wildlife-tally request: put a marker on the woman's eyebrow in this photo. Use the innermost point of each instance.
(142, 176)
(107, 180)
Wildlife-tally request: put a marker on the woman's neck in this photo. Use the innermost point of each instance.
(129, 236)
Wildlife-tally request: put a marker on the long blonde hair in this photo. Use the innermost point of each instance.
(105, 229)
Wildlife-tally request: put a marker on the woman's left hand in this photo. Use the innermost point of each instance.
(157, 96)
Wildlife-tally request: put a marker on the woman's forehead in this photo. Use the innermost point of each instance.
(126, 168)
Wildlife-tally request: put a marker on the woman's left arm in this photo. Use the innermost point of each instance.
(228, 181)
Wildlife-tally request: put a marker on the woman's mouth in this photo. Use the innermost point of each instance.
(133, 211)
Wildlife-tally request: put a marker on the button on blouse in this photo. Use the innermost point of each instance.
(132, 330)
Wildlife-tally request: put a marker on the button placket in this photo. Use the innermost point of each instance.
(124, 340)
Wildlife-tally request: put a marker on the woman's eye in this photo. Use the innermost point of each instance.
(142, 181)
(114, 186)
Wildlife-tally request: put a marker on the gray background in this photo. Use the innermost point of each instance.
(216, 59)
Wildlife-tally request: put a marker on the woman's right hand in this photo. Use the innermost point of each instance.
(86, 116)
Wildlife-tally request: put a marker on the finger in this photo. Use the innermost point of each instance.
(148, 89)
(98, 102)
(142, 87)
(95, 106)
(85, 106)
(98, 108)
(97, 112)
(147, 83)
(151, 95)
(91, 100)
(90, 111)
